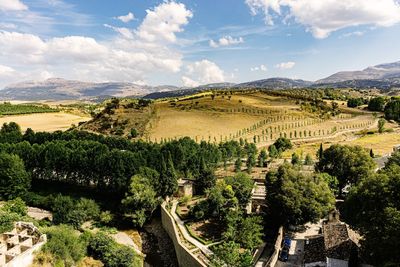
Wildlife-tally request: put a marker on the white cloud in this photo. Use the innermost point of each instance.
(6, 71)
(202, 72)
(285, 65)
(226, 41)
(126, 18)
(324, 17)
(350, 34)
(262, 67)
(125, 32)
(12, 5)
(130, 56)
(164, 21)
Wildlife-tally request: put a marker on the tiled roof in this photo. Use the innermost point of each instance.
(337, 242)
(314, 250)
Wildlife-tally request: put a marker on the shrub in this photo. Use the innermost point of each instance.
(69, 211)
(17, 206)
(105, 249)
(64, 244)
(7, 220)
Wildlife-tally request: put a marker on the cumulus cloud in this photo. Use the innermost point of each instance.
(164, 21)
(226, 41)
(126, 18)
(324, 17)
(129, 56)
(202, 72)
(262, 67)
(285, 65)
(12, 5)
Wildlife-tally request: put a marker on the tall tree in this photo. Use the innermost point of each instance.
(168, 177)
(140, 201)
(294, 198)
(14, 180)
(348, 163)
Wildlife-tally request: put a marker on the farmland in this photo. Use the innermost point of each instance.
(49, 122)
(7, 108)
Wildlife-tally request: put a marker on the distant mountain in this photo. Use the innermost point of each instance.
(275, 83)
(61, 89)
(383, 76)
(378, 72)
(272, 83)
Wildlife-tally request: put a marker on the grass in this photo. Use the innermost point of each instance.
(380, 143)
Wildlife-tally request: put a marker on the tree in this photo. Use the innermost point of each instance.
(320, 152)
(140, 201)
(229, 254)
(381, 125)
(294, 198)
(10, 133)
(308, 160)
(392, 110)
(250, 163)
(242, 185)
(282, 144)
(206, 178)
(262, 157)
(238, 164)
(295, 159)
(134, 133)
(74, 212)
(168, 177)
(273, 152)
(355, 102)
(376, 104)
(373, 208)
(348, 163)
(14, 180)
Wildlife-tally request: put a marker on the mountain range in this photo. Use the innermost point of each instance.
(383, 76)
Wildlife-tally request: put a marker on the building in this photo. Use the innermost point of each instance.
(18, 245)
(335, 247)
(185, 188)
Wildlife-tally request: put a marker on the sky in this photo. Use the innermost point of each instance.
(189, 43)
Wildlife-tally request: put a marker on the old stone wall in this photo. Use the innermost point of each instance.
(184, 256)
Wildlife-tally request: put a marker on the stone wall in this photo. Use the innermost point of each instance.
(184, 256)
(274, 258)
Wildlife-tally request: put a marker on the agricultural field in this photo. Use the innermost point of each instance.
(7, 108)
(259, 117)
(49, 122)
(256, 116)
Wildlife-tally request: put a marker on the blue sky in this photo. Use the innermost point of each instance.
(193, 42)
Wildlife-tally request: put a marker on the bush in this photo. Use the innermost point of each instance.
(105, 249)
(69, 211)
(64, 244)
(7, 220)
(200, 210)
(17, 206)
